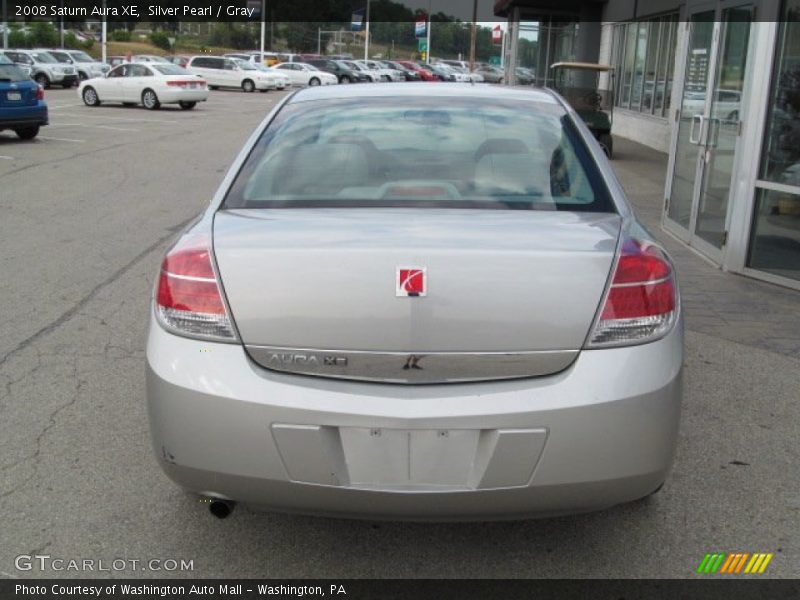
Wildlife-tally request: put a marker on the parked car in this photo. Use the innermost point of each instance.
(148, 84)
(525, 76)
(45, 68)
(273, 80)
(409, 74)
(491, 74)
(340, 69)
(86, 66)
(305, 74)
(384, 74)
(179, 60)
(282, 81)
(371, 75)
(22, 105)
(380, 315)
(424, 74)
(473, 77)
(221, 72)
(148, 58)
(113, 61)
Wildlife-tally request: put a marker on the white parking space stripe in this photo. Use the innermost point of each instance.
(104, 118)
(112, 128)
(55, 139)
(6, 158)
(60, 106)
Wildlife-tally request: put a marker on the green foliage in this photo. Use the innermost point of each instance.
(42, 34)
(18, 39)
(231, 35)
(160, 40)
(70, 41)
(121, 35)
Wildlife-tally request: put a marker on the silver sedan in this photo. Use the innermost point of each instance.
(417, 304)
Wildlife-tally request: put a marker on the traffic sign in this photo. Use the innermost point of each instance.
(422, 45)
(497, 34)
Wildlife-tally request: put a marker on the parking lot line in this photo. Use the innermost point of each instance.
(59, 106)
(115, 118)
(55, 139)
(112, 128)
(6, 158)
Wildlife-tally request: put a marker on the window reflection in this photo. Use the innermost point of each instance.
(775, 236)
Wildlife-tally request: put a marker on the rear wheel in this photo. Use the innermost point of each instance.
(314, 81)
(248, 86)
(90, 97)
(43, 80)
(150, 100)
(607, 143)
(345, 79)
(27, 133)
(187, 105)
(83, 76)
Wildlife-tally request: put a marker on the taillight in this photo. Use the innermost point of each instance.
(40, 93)
(188, 299)
(642, 302)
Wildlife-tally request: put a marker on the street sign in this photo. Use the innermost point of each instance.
(421, 26)
(497, 34)
(422, 45)
(494, 60)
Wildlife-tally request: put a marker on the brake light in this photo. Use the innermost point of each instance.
(642, 302)
(40, 93)
(188, 299)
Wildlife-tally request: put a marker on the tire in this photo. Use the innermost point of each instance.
(150, 100)
(248, 86)
(314, 81)
(213, 87)
(607, 143)
(90, 97)
(187, 105)
(345, 79)
(386, 78)
(43, 80)
(27, 133)
(82, 76)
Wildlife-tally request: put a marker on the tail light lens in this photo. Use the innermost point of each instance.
(642, 302)
(188, 299)
(40, 93)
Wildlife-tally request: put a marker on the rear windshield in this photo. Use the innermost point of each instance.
(429, 152)
(11, 73)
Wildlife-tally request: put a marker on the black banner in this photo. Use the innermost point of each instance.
(443, 589)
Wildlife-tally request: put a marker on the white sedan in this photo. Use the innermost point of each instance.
(282, 79)
(151, 85)
(305, 74)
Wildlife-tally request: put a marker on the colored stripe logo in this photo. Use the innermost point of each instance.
(734, 563)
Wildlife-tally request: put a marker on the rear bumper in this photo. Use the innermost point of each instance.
(600, 433)
(172, 96)
(24, 116)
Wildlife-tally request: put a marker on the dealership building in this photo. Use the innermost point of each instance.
(715, 84)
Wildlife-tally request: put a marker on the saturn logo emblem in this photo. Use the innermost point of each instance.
(411, 282)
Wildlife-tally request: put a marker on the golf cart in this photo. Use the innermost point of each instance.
(579, 84)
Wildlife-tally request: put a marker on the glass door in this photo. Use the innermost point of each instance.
(709, 126)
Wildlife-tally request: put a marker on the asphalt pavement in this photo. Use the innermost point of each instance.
(86, 212)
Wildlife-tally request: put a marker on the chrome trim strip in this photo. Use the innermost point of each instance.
(411, 368)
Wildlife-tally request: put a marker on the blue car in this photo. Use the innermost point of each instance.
(22, 105)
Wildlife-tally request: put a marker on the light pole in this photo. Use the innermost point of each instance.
(366, 34)
(473, 36)
(263, 27)
(5, 23)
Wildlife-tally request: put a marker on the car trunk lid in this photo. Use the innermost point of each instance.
(507, 293)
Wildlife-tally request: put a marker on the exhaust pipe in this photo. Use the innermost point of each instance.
(221, 508)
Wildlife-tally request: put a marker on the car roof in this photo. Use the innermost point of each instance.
(443, 90)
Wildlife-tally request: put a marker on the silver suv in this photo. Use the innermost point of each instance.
(45, 68)
(86, 66)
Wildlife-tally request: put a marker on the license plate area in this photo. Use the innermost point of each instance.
(14, 96)
(402, 460)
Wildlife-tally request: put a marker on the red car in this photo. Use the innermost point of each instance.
(424, 74)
